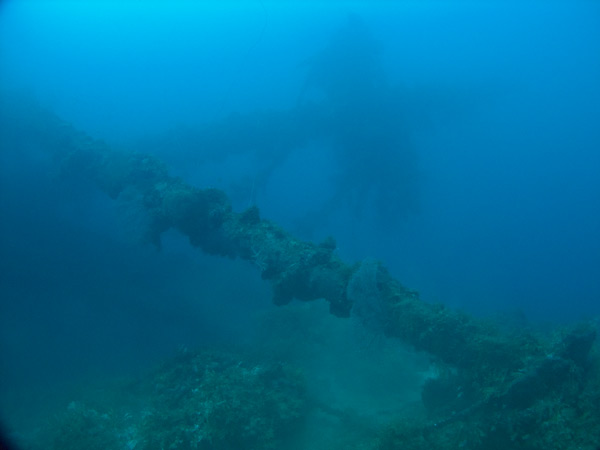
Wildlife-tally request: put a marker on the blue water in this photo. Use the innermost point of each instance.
(465, 155)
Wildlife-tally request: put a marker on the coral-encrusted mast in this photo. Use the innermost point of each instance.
(296, 269)
(499, 367)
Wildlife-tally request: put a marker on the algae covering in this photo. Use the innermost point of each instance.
(495, 388)
(199, 400)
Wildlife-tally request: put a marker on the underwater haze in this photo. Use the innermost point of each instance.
(456, 142)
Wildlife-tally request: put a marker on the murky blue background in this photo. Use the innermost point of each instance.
(499, 107)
